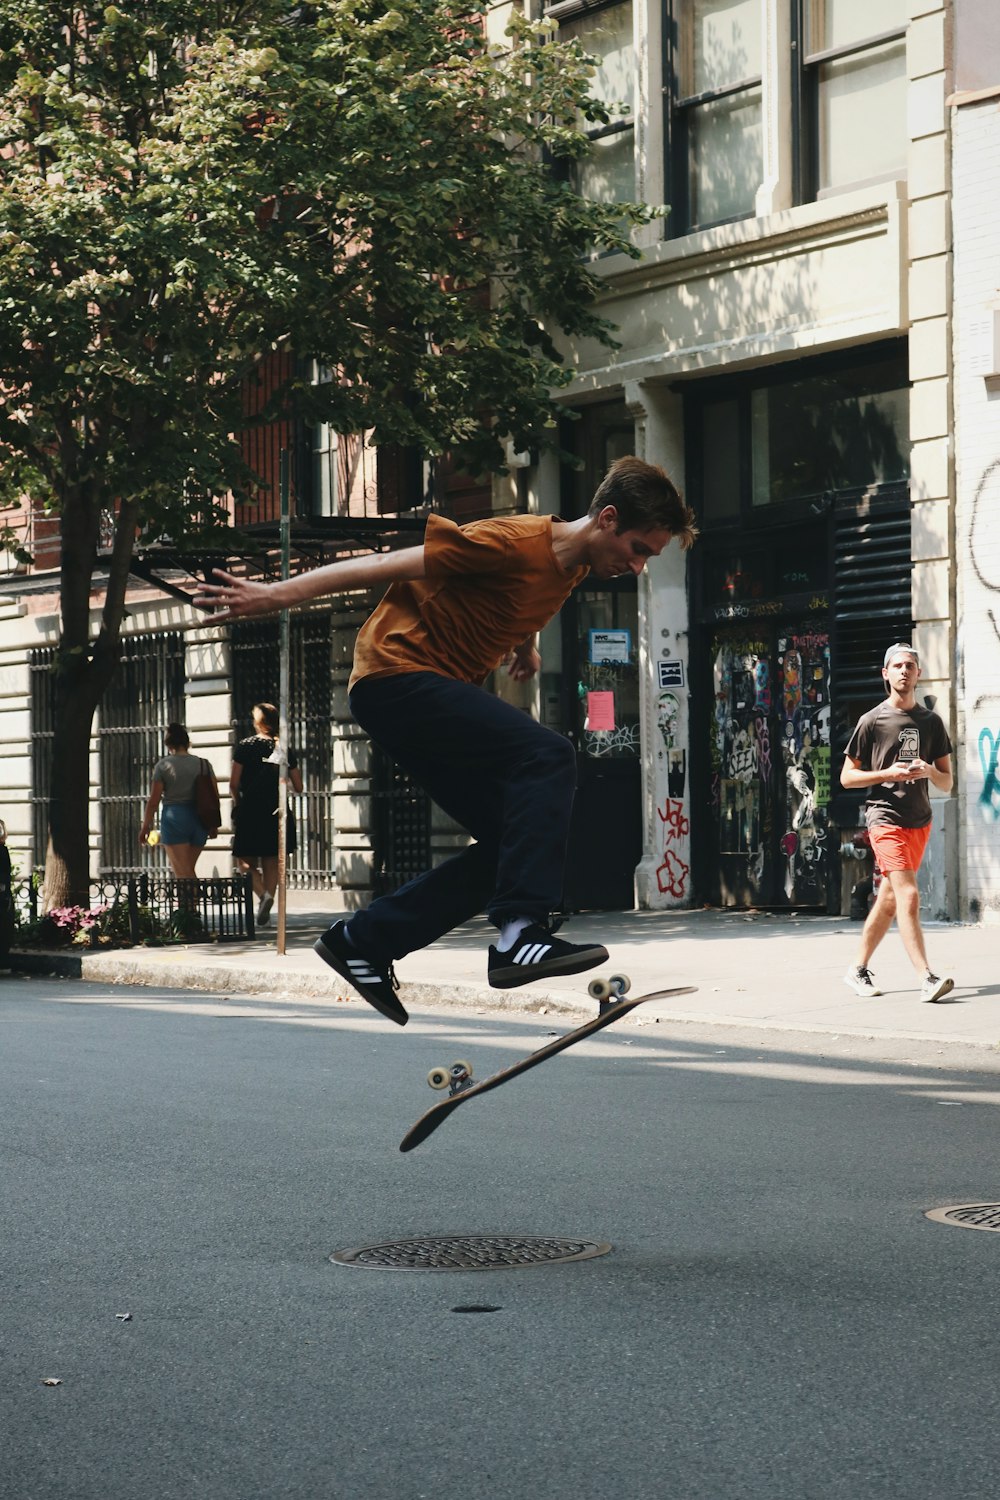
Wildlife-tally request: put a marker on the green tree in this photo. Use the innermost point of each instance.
(186, 185)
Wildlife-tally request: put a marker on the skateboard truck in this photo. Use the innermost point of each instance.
(455, 1079)
(608, 991)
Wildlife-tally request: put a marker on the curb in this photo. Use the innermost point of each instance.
(188, 974)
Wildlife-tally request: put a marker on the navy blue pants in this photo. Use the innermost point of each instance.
(504, 777)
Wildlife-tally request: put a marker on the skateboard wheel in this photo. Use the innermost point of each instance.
(439, 1078)
(600, 989)
(620, 984)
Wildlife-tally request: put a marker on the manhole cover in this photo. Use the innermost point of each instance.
(467, 1252)
(968, 1215)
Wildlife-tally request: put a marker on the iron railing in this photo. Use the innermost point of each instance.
(133, 909)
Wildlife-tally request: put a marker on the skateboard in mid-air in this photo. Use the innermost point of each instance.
(458, 1079)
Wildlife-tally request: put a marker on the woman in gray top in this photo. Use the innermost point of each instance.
(182, 832)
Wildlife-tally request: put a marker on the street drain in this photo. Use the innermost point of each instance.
(476, 1252)
(968, 1216)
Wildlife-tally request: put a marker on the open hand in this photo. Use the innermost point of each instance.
(234, 598)
(524, 663)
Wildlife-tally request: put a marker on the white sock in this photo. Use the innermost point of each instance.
(511, 931)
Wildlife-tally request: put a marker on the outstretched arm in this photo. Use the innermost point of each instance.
(235, 598)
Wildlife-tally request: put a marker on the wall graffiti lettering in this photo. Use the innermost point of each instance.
(989, 752)
(986, 736)
(623, 739)
(672, 874)
(763, 731)
(676, 825)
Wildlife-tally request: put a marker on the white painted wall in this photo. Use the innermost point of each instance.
(976, 213)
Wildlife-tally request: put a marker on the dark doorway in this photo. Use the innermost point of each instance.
(598, 692)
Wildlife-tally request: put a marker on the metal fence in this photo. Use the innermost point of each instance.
(401, 826)
(145, 695)
(255, 680)
(127, 908)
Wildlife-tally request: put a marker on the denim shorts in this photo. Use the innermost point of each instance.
(180, 824)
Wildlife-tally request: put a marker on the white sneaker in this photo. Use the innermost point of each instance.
(862, 982)
(264, 910)
(934, 988)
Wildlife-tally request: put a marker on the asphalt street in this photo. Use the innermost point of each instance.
(777, 1317)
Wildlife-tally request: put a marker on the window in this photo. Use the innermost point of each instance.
(323, 454)
(800, 434)
(323, 488)
(854, 90)
(607, 175)
(840, 431)
(717, 122)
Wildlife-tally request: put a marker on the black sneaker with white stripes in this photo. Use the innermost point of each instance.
(374, 982)
(536, 954)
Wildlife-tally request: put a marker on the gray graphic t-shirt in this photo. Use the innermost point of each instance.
(885, 735)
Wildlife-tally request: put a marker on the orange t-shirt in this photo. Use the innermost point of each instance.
(488, 587)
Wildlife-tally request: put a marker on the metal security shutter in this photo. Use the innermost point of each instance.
(871, 601)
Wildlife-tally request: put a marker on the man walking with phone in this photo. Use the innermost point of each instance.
(897, 748)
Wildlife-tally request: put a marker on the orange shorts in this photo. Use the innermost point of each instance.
(898, 848)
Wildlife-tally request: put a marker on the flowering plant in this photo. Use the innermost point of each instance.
(73, 924)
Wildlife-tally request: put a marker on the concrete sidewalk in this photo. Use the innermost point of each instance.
(774, 971)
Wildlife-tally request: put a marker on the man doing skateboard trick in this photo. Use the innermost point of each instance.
(895, 750)
(457, 607)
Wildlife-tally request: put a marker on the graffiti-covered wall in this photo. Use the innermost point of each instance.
(769, 752)
(663, 878)
(977, 532)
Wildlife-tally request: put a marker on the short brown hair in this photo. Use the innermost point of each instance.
(177, 737)
(646, 499)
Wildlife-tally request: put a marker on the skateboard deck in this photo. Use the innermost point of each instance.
(459, 1076)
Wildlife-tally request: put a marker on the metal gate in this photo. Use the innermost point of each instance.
(255, 675)
(41, 665)
(401, 826)
(144, 696)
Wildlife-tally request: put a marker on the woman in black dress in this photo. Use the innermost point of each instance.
(254, 787)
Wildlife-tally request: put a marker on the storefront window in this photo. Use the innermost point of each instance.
(839, 431)
(720, 439)
(607, 672)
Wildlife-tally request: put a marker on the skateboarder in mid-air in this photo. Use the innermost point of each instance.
(456, 607)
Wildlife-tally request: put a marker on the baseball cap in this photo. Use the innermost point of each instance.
(896, 649)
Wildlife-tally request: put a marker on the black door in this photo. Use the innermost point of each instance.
(602, 712)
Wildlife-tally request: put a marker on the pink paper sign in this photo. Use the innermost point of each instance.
(600, 711)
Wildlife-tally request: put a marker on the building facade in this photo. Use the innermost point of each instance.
(804, 346)
(786, 351)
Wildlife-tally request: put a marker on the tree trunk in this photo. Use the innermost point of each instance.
(67, 860)
(84, 670)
